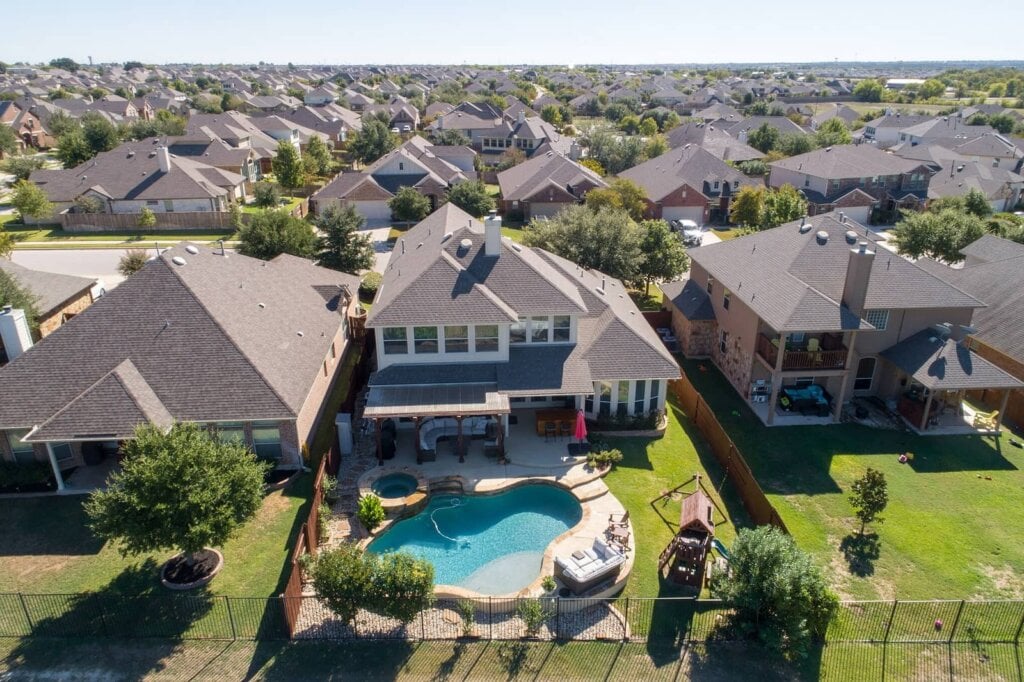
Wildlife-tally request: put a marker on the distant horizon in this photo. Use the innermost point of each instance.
(533, 32)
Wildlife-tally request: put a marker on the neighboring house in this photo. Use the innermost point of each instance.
(26, 125)
(884, 131)
(401, 115)
(841, 111)
(545, 184)
(237, 130)
(471, 326)
(319, 97)
(719, 113)
(334, 121)
(1002, 188)
(942, 128)
(217, 153)
(817, 303)
(994, 273)
(688, 183)
(58, 297)
(854, 179)
(246, 348)
(491, 131)
(713, 138)
(139, 175)
(429, 169)
(741, 130)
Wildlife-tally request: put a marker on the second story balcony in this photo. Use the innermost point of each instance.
(813, 353)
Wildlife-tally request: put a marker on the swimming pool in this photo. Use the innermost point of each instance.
(491, 544)
(394, 486)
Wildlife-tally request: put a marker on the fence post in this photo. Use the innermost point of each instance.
(892, 614)
(558, 618)
(956, 621)
(423, 626)
(490, 618)
(625, 623)
(231, 618)
(32, 628)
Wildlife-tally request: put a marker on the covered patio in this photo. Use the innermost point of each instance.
(934, 375)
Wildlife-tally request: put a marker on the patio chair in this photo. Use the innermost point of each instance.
(566, 429)
(985, 420)
(619, 537)
(621, 523)
(550, 431)
(814, 348)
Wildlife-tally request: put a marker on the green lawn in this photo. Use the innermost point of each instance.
(650, 467)
(726, 234)
(287, 203)
(48, 548)
(954, 527)
(56, 236)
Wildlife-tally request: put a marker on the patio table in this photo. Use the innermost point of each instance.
(544, 417)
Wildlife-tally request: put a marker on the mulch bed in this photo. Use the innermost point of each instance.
(180, 573)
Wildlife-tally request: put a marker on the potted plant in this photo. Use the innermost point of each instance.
(549, 585)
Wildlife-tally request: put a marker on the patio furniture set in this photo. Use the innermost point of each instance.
(589, 567)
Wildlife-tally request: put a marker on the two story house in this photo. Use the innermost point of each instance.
(544, 185)
(854, 179)
(806, 316)
(471, 326)
(247, 348)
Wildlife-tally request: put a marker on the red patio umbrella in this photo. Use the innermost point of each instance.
(581, 426)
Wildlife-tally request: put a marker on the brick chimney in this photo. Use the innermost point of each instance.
(858, 275)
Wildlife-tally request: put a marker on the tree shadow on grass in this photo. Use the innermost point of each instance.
(46, 526)
(861, 551)
(305, 660)
(132, 605)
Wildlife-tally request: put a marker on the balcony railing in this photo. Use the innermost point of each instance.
(801, 359)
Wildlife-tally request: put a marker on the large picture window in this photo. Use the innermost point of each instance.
(539, 329)
(395, 341)
(266, 440)
(231, 432)
(605, 403)
(424, 340)
(622, 399)
(655, 392)
(23, 453)
(517, 331)
(486, 338)
(562, 328)
(456, 339)
(639, 397)
(865, 374)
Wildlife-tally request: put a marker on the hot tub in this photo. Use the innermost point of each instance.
(394, 486)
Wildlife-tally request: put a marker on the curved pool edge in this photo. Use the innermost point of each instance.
(471, 487)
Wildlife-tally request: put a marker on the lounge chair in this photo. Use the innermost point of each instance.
(986, 420)
(589, 567)
(621, 523)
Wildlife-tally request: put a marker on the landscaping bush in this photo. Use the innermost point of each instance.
(371, 511)
(533, 614)
(266, 195)
(323, 522)
(330, 489)
(467, 610)
(16, 477)
(370, 284)
(604, 458)
(397, 585)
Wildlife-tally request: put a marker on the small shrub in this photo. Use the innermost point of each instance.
(266, 195)
(548, 584)
(132, 261)
(371, 511)
(533, 614)
(146, 218)
(604, 458)
(306, 562)
(370, 284)
(330, 489)
(467, 611)
(324, 522)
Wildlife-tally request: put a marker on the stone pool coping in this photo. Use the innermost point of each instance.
(589, 492)
(394, 504)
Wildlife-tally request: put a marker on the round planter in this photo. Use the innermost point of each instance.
(195, 583)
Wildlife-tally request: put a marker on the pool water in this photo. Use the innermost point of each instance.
(394, 486)
(491, 544)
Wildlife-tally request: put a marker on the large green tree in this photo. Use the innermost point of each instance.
(664, 255)
(940, 235)
(621, 193)
(833, 132)
(318, 157)
(30, 201)
(100, 134)
(9, 142)
(607, 240)
(22, 166)
(779, 596)
(72, 148)
(373, 141)
(180, 489)
(782, 205)
(868, 90)
(471, 197)
(340, 245)
(273, 232)
(747, 207)
(408, 205)
(288, 167)
(764, 139)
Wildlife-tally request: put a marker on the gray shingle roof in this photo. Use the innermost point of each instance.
(847, 161)
(946, 364)
(794, 283)
(690, 165)
(215, 339)
(523, 181)
(51, 290)
(690, 299)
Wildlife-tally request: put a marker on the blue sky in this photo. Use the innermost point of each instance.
(524, 31)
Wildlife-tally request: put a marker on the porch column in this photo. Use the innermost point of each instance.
(416, 435)
(377, 438)
(1002, 409)
(777, 378)
(500, 421)
(837, 411)
(458, 439)
(55, 467)
(927, 409)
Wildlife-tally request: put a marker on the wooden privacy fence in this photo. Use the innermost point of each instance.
(728, 455)
(72, 221)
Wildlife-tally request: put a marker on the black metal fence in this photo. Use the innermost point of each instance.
(667, 620)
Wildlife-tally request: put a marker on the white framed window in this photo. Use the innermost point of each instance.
(486, 338)
(562, 328)
(655, 394)
(456, 339)
(539, 329)
(879, 319)
(23, 453)
(865, 374)
(639, 397)
(395, 341)
(723, 340)
(424, 340)
(517, 331)
(63, 451)
(231, 432)
(726, 297)
(266, 440)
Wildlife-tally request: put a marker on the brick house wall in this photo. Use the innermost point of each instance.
(70, 307)
(681, 197)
